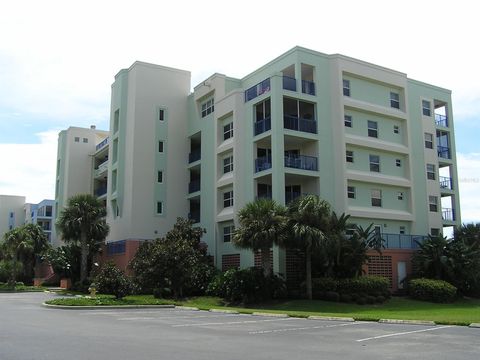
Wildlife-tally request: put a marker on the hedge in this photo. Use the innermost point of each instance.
(432, 290)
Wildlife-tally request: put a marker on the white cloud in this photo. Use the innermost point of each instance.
(29, 169)
(469, 183)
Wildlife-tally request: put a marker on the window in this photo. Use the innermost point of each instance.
(431, 172)
(228, 164)
(349, 156)
(161, 114)
(396, 129)
(398, 162)
(400, 195)
(346, 87)
(116, 121)
(85, 140)
(426, 109)
(394, 100)
(11, 215)
(433, 203)
(348, 121)
(428, 141)
(160, 177)
(402, 230)
(372, 128)
(77, 139)
(434, 232)
(351, 192)
(228, 131)
(376, 198)
(159, 208)
(207, 107)
(228, 199)
(160, 146)
(227, 233)
(374, 163)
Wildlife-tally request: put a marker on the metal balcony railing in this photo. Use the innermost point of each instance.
(101, 191)
(441, 120)
(443, 152)
(262, 126)
(194, 155)
(101, 144)
(101, 168)
(193, 186)
(299, 124)
(303, 162)
(263, 163)
(402, 241)
(308, 87)
(257, 90)
(289, 83)
(448, 214)
(446, 182)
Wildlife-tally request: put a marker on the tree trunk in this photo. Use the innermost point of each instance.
(13, 280)
(267, 269)
(84, 259)
(308, 266)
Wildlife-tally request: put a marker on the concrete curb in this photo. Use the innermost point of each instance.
(187, 308)
(103, 307)
(224, 311)
(331, 318)
(270, 314)
(407, 322)
(474, 325)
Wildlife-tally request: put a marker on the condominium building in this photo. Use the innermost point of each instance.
(372, 142)
(12, 213)
(43, 214)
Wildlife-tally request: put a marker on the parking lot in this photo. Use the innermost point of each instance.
(30, 331)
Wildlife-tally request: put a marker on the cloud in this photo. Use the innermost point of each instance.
(469, 184)
(29, 169)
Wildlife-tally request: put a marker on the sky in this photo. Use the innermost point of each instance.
(58, 60)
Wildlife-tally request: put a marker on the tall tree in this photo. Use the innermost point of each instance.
(16, 241)
(308, 224)
(262, 224)
(83, 222)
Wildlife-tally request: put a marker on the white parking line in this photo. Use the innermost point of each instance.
(232, 322)
(404, 333)
(302, 328)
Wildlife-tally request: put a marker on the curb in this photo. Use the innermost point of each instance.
(270, 314)
(224, 311)
(187, 308)
(474, 325)
(103, 307)
(331, 318)
(407, 322)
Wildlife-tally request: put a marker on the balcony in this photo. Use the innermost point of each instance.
(291, 196)
(257, 90)
(448, 214)
(263, 163)
(401, 241)
(303, 162)
(308, 87)
(101, 144)
(289, 83)
(194, 186)
(441, 120)
(195, 155)
(299, 124)
(101, 191)
(446, 182)
(101, 169)
(262, 126)
(443, 152)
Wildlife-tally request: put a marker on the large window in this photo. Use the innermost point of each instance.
(431, 172)
(228, 164)
(351, 192)
(348, 121)
(433, 203)
(207, 107)
(394, 100)
(374, 163)
(228, 199)
(228, 131)
(349, 156)
(376, 197)
(429, 141)
(426, 108)
(346, 87)
(228, 233)
(372, 128)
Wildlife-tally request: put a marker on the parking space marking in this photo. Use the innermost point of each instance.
(233, 322)
(404, 333)
(303, 328)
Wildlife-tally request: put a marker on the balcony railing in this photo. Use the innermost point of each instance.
(299, 124)
(289, 83)
(101, 144)
(446, 182)
(194, 216)
(303, 162)
(193, 186)
(308, 87)
(441, 120)
(448, 214)
(262, 126)
(101, 168)
(194, 155)
(443, 152)
(263, 163)
(401, 241)
(257, 90)
(101, 191)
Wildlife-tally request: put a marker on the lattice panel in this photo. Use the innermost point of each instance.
(230, 261)
(381, 266)
(258, 259)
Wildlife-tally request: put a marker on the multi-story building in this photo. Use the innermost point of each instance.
(12, 213)
(369, 140)
(43, 214)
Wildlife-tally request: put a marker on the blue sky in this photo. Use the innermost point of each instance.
(58, 60)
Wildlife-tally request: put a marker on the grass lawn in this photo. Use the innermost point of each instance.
(20, 288)
(462, 312)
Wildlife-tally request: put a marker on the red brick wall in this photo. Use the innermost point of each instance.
(386, 264)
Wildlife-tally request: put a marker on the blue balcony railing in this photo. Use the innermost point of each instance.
(448, 214)
(446, 182)
(308, 87)
(194, 155)
(441, 120)
(194, 186)
(299, 124)
(289, 83)
(101, 191)
(263, 163)
(443, 152)
(303, 162)
(116, 247)
(262, 126)
(257, 90)
(101, 144)
(401, 241)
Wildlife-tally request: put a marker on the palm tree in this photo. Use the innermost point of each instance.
(83, 221)
(262, 224)
(432, 258)
(336, 238)
(38, 246)
(308, 224)
(16, 241)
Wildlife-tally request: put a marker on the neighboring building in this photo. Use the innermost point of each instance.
(43, 214)
(12, 213)
(372, 142)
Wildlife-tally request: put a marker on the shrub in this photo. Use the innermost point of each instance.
(81, 286)
(346, 298)
(365, 285)
(361, 301)
(159, 293)
(113, 281)
(380, 299)
(432, 290)
(332, 296)
(370, 299)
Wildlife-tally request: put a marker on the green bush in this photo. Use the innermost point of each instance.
(113, 281)
(432, 290)
(332, 296)
(365, 285)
